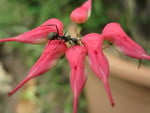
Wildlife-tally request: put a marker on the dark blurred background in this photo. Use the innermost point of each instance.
(50, 93)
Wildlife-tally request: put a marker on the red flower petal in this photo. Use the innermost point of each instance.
(39, 34)
(115, 34)
(52, 52)
(76, 57)
(82, 13)
(98, 61)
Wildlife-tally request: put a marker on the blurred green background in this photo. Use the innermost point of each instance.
(52, 92)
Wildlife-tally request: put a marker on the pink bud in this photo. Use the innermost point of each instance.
(76, 58)
(52, 52)
(115, 34)
(82, 13)
(97, 60)
(38, 35)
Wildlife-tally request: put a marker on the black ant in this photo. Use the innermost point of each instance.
(56, 36)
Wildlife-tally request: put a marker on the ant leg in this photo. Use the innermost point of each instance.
(70, 42)
(65, 33)
(55, 27)
(77, 41)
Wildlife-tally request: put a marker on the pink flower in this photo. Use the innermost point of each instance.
(52, 52)
(82, 13)
(97, 60)
(115, 34)
(76, 58)
(39, 34)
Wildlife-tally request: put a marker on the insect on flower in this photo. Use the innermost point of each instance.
(54, 50)
(57, 36)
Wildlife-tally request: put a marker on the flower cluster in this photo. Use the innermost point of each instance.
(89, 45)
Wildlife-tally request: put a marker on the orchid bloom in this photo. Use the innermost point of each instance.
(76, 58)
(52, 52)
(39, 34)
(115, 34)
(82, 13)
(97, 60)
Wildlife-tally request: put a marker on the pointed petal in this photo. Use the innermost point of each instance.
(115, 34)
(98, 62)
(52, 52)
(75, 103)
(76, 57)
(107, 87)
(39, 34)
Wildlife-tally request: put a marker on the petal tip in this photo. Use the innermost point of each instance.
(10, 94)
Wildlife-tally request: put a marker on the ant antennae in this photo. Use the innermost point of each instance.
(55, 27)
